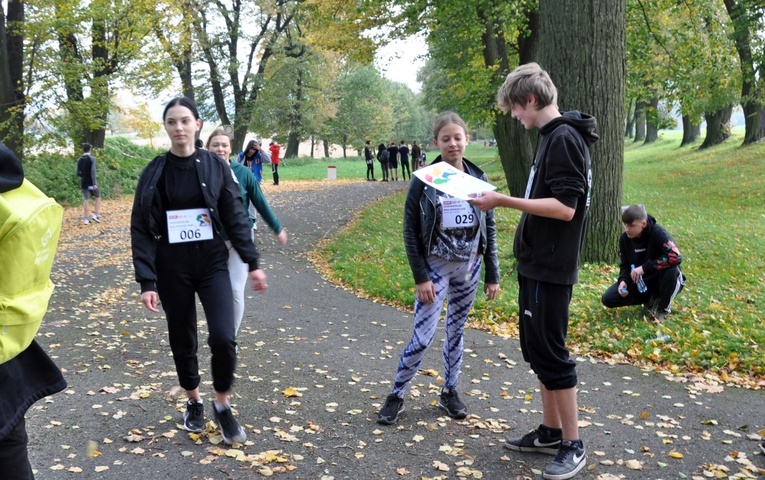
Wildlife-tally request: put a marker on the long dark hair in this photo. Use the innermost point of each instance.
(183, 102)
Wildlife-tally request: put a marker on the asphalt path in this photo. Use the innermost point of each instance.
(315, 364)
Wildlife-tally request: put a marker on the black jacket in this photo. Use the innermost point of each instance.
(420, 224)
(654, 250)
(547, 249)
(222, 197)
(30, 375)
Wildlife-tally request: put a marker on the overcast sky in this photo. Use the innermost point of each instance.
(402, 59)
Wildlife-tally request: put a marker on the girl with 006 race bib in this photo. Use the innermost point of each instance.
(446, 239)
(182, 201)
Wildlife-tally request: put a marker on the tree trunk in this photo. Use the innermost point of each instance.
(325, 143)
(691, 131)
(515, 144)
(591, 78)
(12, 98)
(744, 23)
(718, 127)
(629, 129)
(640, 114)
(516, 150)
(652, 121)
(295, 118)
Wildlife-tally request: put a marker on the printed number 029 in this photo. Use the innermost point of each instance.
(464, 219)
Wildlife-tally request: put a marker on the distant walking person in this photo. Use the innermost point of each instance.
(416, 153)
(393, 161)
(86, 170)
(548, 243)
(446, 240)
(219, 143)
(275, 150)
(383, 156)
(370, 159)
(253, 157)
(403, 152)
(183, 199)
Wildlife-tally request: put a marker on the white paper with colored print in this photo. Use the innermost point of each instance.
(451, 181)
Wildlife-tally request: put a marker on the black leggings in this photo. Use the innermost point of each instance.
(370, 171)
(184, 270)
(405, 166)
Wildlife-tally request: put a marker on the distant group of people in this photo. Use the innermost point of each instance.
(390, 157)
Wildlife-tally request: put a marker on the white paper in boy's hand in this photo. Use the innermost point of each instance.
(449, 180)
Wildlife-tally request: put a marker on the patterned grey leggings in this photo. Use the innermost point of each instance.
(450, 282)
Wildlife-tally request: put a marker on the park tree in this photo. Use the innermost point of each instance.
(366, 106)
(746, 31)
(295, 101)
(12, 92)
(175, 35)
(78, 54)
(679, 55)
(590, 78)
(469, 61)
(237, 39)
(99, 45)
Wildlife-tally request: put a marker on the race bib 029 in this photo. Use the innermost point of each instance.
(191, 225)
(457, 213)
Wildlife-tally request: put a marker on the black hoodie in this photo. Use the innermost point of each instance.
(547, 249)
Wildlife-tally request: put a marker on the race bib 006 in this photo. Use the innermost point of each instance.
(192, 225)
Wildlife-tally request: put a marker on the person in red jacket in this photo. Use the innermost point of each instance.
(275, 149)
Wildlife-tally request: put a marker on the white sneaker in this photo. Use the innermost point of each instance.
(87, 221)
(96, 218)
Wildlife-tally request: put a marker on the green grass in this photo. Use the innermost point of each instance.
(307, 168)
(710, 201)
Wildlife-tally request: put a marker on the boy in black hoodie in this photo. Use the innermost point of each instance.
(647, 251)
(547, 247)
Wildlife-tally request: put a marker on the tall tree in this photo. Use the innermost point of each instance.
(365, 108)
(747, 22)
(12, 97)
(238, 38)
(591, 78)
(471, 59)
(83, 52)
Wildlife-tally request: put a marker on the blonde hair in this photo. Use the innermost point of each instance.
(216, 133)
(444, 119)
(523, 82)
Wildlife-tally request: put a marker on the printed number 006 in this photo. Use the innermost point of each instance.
(190, 234)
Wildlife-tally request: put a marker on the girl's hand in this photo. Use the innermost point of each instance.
(426, 292)
(491, 290)
(258, 278)
(149, 300)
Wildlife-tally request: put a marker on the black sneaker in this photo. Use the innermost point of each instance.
(452, 404)
(534, 441)
(389, 412)
(194, 417)
(230, 429)
(762, 447)
(570, 459)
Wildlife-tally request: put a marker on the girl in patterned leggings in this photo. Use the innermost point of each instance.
(446, 241)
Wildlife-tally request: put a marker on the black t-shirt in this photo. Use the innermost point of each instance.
(179, 187)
